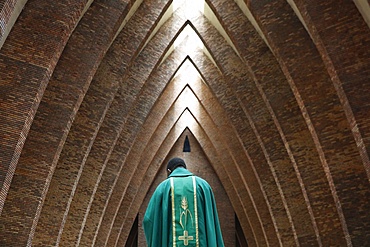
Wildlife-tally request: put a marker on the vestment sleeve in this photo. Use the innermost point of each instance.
(157, 217)
(151, 229)
(214, 235)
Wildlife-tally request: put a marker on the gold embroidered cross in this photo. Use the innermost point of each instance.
(186, 238)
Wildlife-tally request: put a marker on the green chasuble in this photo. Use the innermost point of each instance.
(182, 212)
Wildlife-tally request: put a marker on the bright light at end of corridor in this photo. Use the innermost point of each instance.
(191, 6)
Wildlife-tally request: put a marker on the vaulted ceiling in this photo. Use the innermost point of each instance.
(94, 94)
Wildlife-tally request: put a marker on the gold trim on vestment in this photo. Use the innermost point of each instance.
(173, 213)
(196, 212)
(184, 213)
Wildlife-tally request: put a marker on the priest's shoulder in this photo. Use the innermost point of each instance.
(202, 182)
(164, 184)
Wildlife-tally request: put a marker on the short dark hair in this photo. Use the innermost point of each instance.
(174, 163)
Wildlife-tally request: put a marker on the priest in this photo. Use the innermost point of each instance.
(182, 211)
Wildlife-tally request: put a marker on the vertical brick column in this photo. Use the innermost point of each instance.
(64, 94)
(347, 59)
(108, 135)
(321, 107)
(280, 100)
(27, 60)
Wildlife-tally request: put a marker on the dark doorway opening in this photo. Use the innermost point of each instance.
(186, 148)
(240, 240)
(132, 240)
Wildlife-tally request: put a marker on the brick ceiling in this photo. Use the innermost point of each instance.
(94, 94)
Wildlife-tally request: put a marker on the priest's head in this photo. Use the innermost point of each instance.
(174, 163)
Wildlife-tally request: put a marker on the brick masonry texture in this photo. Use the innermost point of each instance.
(90, 113)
